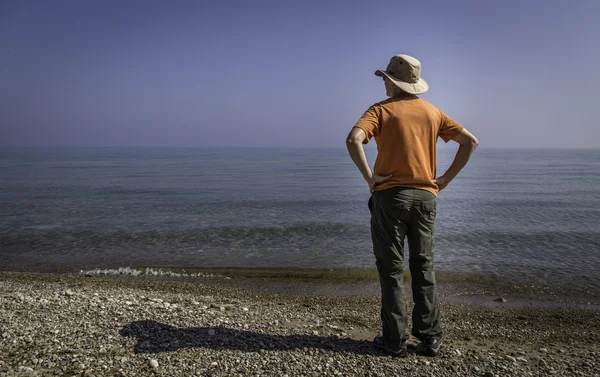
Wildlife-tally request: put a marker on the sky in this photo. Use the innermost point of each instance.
(518, 74)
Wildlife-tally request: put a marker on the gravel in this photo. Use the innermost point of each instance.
(96, 325)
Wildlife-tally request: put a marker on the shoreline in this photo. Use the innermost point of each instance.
(357, 281)
(117, 325)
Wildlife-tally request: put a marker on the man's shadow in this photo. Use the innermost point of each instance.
(155, 337)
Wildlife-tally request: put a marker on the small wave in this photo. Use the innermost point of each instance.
(143, 272)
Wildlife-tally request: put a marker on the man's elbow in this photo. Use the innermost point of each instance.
(470, 144)
(467, 139)
(356, 137)
(353, 140)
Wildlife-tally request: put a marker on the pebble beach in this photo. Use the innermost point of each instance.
(73, 324)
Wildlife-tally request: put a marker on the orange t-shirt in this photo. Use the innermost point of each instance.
(406, 129)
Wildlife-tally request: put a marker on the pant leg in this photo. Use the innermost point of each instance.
(426, 314)
(389, 214)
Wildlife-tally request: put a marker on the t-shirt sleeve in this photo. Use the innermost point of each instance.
(450, 128)
(370, 122)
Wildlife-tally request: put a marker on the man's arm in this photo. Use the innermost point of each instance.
(468, 142)
(354, 143)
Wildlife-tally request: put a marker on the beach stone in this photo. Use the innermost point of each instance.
(500, 299)
(69, 292)
(245, 309)
(510, 358)
(544, 350)
(153, 363)
(222, 307)
(522, 359)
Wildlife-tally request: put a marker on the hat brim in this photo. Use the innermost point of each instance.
(418, 87)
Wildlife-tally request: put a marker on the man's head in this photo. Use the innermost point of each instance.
(404, 72)
(391, 90)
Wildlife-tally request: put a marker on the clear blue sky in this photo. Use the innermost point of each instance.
(291, 73)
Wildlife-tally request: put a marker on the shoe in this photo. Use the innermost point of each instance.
(395, 352)
(430, 346)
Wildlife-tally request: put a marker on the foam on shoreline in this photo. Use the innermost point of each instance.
(328, 275)
(148, 271)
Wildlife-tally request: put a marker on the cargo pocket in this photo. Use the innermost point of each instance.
(428, 210)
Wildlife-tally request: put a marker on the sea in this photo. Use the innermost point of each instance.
(531, 216)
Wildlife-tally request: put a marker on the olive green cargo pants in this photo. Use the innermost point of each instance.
(396, 213)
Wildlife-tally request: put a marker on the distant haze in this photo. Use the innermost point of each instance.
(278, 73)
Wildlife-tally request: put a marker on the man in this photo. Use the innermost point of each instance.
(403, 204)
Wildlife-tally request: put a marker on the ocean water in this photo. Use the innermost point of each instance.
(525, 215)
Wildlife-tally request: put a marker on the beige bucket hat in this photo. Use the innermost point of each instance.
(405, 72)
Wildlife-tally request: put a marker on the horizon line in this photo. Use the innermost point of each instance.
(264, 147)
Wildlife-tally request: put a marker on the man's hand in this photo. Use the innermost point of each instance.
(441, 182)
(376, 179)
